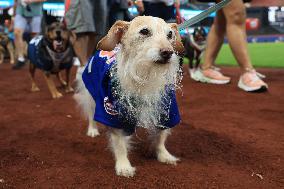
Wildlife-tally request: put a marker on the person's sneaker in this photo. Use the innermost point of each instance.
(211, 75)
(251, 81)
(18, 65)
(191, 72)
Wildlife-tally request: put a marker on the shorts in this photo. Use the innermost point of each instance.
(87, 16)
(30, 24)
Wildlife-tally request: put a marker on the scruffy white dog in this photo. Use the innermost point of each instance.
(131, 82)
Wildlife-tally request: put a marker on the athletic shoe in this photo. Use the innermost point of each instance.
(211, 75)
(18, 65)
(191, 72)
(251, 81)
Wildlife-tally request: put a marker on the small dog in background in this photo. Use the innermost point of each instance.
(52, 53)
(194, 45)
(6, 45)
(131, 82)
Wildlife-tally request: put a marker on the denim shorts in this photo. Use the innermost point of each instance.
(28, 24)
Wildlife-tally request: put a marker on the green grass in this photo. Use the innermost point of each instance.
(261, 54)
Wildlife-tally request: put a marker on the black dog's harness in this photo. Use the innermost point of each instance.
(60, 58)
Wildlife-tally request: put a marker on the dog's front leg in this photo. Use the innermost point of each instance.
(11, 52)
(32, 69)
(119, 144)
(52, 88)
(198, 58)
(1, 57)
(68, 88)
(162, 153)
(61, 80)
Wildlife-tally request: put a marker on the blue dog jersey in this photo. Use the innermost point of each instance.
(97, 80)
(39, 56)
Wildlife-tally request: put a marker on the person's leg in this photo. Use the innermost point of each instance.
(92, 43)
(100, 15)
(20, 25)
(11, 50)
(100, 8)
(81, 47)
(214, 40)
(208, 74)
(35, 25)
(235, 14)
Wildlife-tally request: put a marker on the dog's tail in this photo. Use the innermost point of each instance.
(83, 97)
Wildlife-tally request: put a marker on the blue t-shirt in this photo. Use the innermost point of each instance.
(97, 80)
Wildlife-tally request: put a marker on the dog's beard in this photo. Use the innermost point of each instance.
(142, 76)
(147, 101)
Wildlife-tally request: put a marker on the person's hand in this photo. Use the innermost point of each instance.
(140, 6)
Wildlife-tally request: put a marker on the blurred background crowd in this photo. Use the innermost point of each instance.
(264, 22)
(90, 20)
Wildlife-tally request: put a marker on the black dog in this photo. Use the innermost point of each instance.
(194, 47)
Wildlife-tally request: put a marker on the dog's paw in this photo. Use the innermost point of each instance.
(166, 157)
(35, 89)
(57, 95)
(69, 89)
(92, 132)
(124, 169)
(63, 83)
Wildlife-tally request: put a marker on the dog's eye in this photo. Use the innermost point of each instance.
(170, 35)
(144, 31)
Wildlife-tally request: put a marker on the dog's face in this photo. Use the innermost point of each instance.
(199, 34)
(147, 59)
(3, 40)
(58, 37)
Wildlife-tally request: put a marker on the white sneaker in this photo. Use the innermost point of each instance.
(251, 81)
(211, 75)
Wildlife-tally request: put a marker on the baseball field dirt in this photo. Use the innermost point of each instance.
(227, 139)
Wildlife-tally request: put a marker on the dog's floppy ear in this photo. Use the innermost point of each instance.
(178, 46)
(113, 36)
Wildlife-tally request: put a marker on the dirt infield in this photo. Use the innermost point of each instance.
(227, 139)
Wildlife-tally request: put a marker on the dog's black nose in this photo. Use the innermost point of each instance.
(166, 54)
